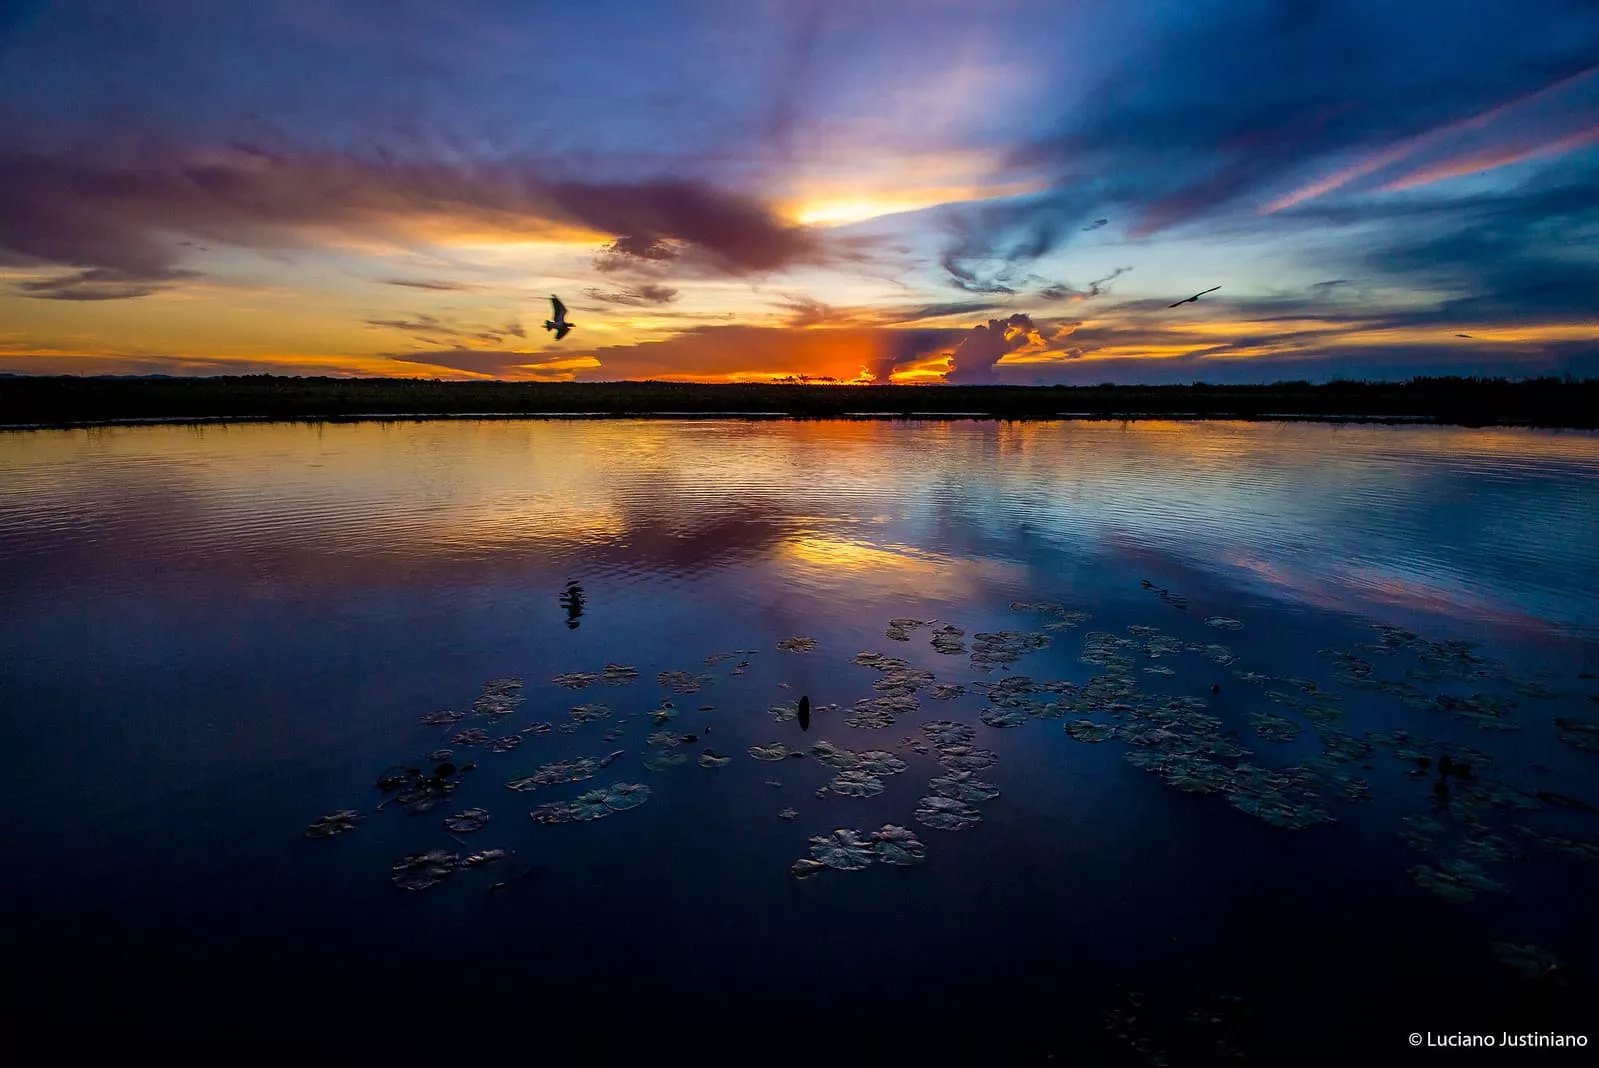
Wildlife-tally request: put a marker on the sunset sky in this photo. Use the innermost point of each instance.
(876, 190)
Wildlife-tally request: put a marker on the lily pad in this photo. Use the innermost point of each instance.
(467, 821)
(879, 762)
(664, 739)
(963, 787)
(561, 771)
(334, 823)
(1004, 647)
(1456, 880)
(949, 640)
(555, 812)
(966, 757)
(947, 813)
(471, 736)
(576, 680)
(662, 759)
(590, 713)
(856, 784)
(775, 751)
(876, 713)
(712, 759)
(505, 744)
(834, 756)
(1223, 623)
(1086, 730)
(438, 756)
(682, 682)
(797, 645)
(806, 868)
(1002, 717)
(784, 712)
(1274, 728)
(900, 629)
(422, 870)
(898, 846)
(787, 814)
(442, 719)
(948, 732)
(945, 691)
(499, 697)
(1578, 733)
(486, 856)
(844, 849)
(618, 674)
(1533, 962)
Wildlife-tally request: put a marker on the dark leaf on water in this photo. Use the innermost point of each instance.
(422, 870)
(467, 821)
(333, 823)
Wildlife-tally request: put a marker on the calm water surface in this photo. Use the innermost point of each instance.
(210, 637)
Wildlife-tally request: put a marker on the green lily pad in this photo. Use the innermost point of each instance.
(844, 850)
(947, 813)
(963, 787)
(1456, 880)
(499, 697)
(682, 682)
(1533, 962)
(806, 868)
(1002, 717)
(422, 870)
(334, 823)
(471, 736)
(878, 661)
(505, 744)
(946, 692)
(834, 756)
(966, 757)
(624, 795)
(712, 759)
(898, 846)
(555, 774)
(856, 784)
(467, 821)
(879, 762)
(900, 629)
(1274, 728)
(948, 732)
(949, 640)
(662, 759)
(591, 713)
(618, 674)
(1004, 647)
(775, 751)
(576, 680)
(1086, 730)
(662, 715)
(555, 812)
(797, 645)
(876, 713)
(442, 719)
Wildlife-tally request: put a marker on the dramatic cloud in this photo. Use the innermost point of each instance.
(1061, 291)
(644, 295)
(120, 211)
(105, 283)
(977, 355)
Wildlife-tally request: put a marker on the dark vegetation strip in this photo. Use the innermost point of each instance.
(40, 400)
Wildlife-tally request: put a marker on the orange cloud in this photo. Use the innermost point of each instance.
(1491, 158)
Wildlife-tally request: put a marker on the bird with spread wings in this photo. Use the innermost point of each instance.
(1196, 296)
(559, 323)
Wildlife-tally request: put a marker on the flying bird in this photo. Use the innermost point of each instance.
(1464, 335)
(559, 323)
(1195, 297)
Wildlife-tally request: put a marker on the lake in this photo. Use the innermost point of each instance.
(1212, 672)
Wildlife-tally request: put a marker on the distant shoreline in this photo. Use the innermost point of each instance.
(40, 403)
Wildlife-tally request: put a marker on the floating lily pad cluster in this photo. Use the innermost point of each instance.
(593, 805)
(1003, 648)
(900, 629)
(849, 850)
(334, 823)
(1060, 618)
(555, 774)
(500, 697)
(797, 644)
(682, 682)
(949, 640)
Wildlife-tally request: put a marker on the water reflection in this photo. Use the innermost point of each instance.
(572, 601)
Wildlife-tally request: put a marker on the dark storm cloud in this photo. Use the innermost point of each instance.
(104, 283)
(1240, 102)
(978, 353)
(117, 211)
(643, 295)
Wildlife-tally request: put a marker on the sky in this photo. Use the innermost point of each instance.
(830, 190)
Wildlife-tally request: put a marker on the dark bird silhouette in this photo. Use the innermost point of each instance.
(559, 323)
(1196, 296)
(572, 601)
(1464, 335)
(805, 713)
